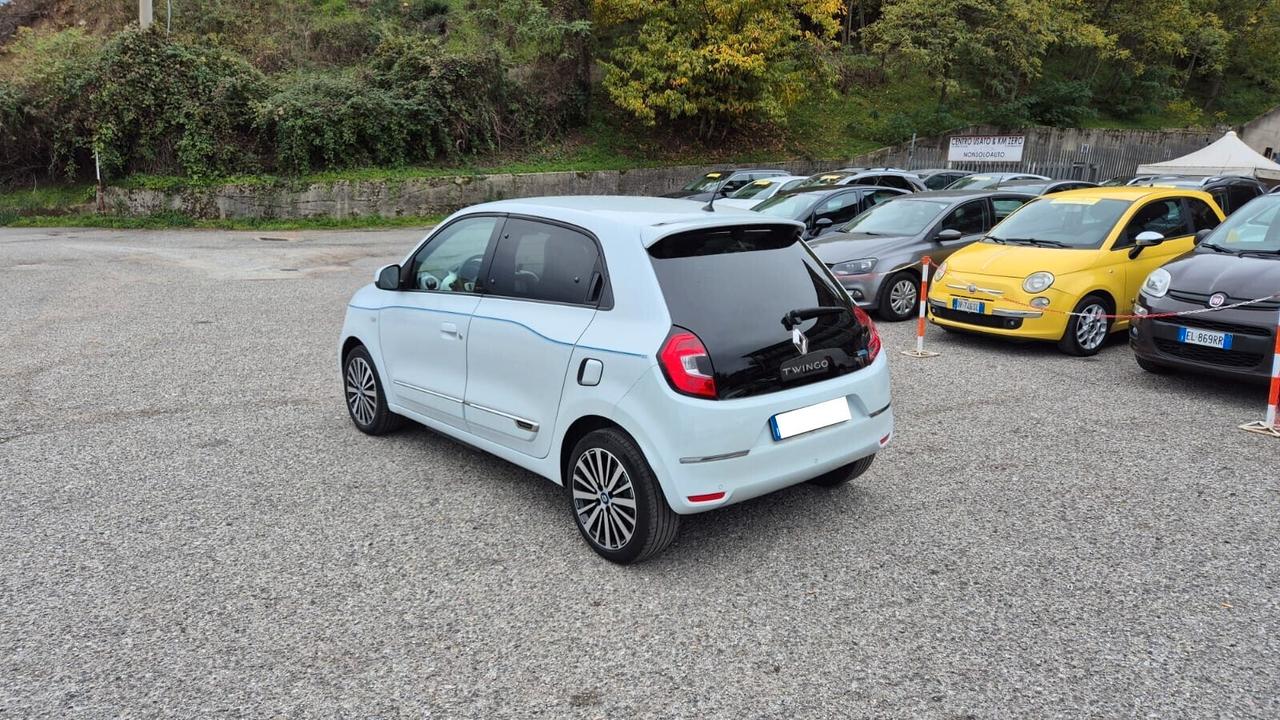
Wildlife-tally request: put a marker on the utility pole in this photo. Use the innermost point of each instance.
(145, 15)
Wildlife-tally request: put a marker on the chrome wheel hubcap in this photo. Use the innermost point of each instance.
(902, 297)
(1091, 327)
(362, 391)
(604, 499)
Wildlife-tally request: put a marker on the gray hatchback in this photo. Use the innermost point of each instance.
(874, 255)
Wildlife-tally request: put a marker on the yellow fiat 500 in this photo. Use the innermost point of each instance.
(1059, 266)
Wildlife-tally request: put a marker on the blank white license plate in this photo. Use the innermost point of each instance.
(806, 419)
(969, 306)
(1207, 338)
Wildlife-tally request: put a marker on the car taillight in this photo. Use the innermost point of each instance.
(873, 343)
(687, 365)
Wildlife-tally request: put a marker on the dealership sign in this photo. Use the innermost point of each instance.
(986, 148)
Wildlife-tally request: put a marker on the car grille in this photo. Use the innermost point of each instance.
(1213, 356)
(1204, 324)
(969, 318)
(1203, 299)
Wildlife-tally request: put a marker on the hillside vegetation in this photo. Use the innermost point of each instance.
(298, 87)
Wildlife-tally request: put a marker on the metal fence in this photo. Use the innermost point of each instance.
(1062, 153)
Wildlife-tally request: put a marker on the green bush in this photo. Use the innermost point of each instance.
(165, 106)
(335, 121)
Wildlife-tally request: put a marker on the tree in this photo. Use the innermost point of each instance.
(714, 63)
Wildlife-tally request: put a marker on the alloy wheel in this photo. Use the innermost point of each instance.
(1091, 326)
(604, 498)
(362, 391)
(903, 296)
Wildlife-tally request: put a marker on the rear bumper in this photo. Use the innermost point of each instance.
(701, 447)
(1252, 340)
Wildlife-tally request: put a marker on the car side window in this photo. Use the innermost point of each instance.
(1240, 194)
(1202, 216)
(1220, 197)
(452, 260)
(1003, 207)
(841, 208)
(969, 219)
(541, 261)
(736, 181)
(879, 196)
(1162, 216)
(892, 181)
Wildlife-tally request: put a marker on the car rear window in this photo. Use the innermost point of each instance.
(732, 286)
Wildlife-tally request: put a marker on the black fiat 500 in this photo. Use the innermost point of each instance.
(1237, 262)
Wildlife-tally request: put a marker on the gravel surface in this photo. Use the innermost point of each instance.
(190, 527)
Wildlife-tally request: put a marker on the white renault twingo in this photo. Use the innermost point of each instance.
(654, 358)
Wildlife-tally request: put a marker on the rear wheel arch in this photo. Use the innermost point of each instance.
(577, 430)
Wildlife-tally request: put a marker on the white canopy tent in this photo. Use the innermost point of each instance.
(1228, 155)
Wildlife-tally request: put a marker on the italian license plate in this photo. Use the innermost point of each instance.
(807, 419)
(1207, 338)
(969, 306)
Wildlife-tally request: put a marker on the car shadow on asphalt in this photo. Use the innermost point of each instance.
(739, 532)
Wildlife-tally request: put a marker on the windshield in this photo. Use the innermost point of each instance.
(1253, 228)
(974, 182)
(1066, 222)
(705, 183)
(791, 207)
(759, 188)
(897, 217)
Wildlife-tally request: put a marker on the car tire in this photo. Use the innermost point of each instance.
(602, 501)
(1084, 336)
(844, 473)
(1152, 367)
(899, 297)
(362, 389)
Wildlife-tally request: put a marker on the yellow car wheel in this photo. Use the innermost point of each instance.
(1088, 328)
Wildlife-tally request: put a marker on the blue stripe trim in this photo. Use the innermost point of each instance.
(497, 319)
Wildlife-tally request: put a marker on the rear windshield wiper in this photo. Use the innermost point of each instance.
(799, 315)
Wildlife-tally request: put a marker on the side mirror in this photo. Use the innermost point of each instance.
(1148, 238)
(1145, 239)
(388, 278)
(1202, 234)
(948, 235)
(823, 223)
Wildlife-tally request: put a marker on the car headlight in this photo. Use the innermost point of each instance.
(942, 270)
(854, 267)
(1037, 282)
(1157, 283)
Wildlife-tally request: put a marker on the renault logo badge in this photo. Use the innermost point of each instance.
(1217, 299)
(800, 341)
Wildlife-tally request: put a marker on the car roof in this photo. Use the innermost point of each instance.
(653, 217)
(1125, 192)
(832, 188)
(965, 194)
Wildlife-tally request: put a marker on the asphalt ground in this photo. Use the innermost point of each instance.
(190, 527)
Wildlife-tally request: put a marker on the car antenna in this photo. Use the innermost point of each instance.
(710, 207)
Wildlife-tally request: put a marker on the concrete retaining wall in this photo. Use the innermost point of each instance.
(419, 196)
(1058, 152)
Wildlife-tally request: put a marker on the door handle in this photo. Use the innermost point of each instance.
(450, 330)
